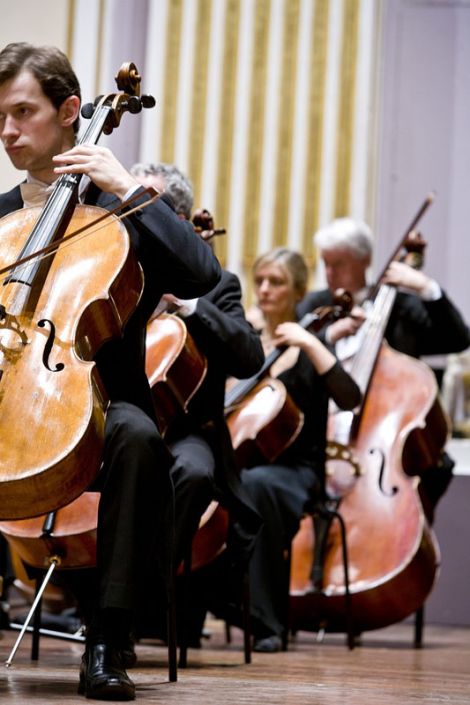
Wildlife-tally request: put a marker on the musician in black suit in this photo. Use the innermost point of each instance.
(39, 109)
(423, 321)
(199, 440)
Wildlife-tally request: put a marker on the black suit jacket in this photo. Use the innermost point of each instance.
(232, 348)
(416, 327)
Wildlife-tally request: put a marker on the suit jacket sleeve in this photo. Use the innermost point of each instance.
(190, 268)
(220, 321)
(418, 327)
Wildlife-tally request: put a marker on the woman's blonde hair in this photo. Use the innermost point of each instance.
(292, 262)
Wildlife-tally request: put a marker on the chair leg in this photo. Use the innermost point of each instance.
(228, 633)
(285, 631)
(36, 624)
(419, 626)
(171, 628)
(183, 645)
(322, 517)
(171, 603)
(347, 593)
(246, 617)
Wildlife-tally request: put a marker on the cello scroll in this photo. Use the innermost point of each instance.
(204, 225)
(129, 100)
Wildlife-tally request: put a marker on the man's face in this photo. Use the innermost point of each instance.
(31, 129)
(344, 270)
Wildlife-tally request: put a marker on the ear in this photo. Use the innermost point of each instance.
(69, 110)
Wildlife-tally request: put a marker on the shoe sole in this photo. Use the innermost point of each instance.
(107, 692)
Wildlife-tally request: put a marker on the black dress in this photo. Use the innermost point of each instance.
(280, 490)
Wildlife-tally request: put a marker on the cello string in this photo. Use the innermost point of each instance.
(85, 231)
(64, 190)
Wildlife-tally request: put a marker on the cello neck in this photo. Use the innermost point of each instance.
(58, 210)
(105, 114)
(313, 320)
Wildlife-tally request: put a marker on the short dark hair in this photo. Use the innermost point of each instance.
(49, 66)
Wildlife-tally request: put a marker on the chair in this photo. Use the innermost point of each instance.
(323, 512)
(185, 607)
(45, 548)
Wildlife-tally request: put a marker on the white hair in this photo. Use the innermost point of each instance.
(345, 233)
(177, 184)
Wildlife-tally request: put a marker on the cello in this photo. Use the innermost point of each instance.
(262, 418)
(174, 365)
(175, 369)
(396, 434)
(59, 302)
(56, 311)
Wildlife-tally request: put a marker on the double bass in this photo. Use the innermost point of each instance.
(398, 432)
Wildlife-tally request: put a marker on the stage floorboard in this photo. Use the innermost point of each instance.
(385, 669)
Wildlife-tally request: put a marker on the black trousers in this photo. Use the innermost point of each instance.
(279, 493)
(135, 518)
(192, 475)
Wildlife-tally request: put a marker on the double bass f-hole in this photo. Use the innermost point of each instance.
(393, 489)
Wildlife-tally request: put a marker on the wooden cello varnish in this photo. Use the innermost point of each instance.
(55, 312)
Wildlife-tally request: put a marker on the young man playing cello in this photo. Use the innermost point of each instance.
(39, 109)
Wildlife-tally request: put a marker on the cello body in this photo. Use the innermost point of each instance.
(52, 405)
(264, 424)
(263, 419)
(72, 539)
(174, 366)
(393, 554)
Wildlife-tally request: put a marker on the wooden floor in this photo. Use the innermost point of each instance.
(385, 669)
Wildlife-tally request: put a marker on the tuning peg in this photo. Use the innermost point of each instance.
(87, 110)
(133, 104)
(148, 101)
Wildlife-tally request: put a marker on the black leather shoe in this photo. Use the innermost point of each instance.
(102, 674)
